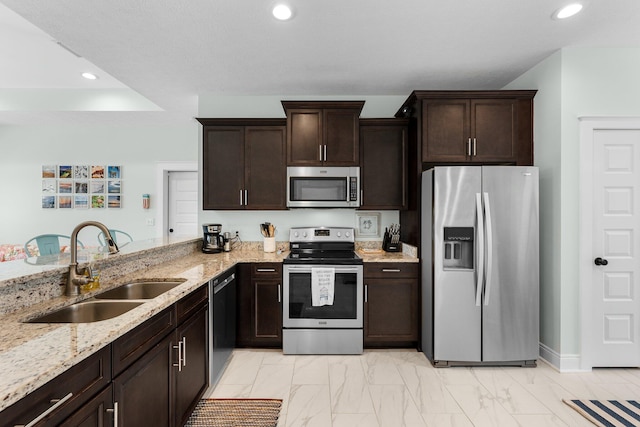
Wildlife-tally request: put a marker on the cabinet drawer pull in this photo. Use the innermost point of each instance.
(391, 270)
(266, 270)
(279, 293)
(56, 404)
(115, 413)
(366, 293)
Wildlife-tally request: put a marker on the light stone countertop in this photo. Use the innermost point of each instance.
(32, 354)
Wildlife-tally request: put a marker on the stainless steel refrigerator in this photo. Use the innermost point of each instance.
(480, 265)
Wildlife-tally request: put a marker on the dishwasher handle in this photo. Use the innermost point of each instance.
(220, 286)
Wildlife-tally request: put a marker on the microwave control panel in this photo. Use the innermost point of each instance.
(353, 189)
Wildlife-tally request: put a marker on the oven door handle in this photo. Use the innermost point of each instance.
(307, 269)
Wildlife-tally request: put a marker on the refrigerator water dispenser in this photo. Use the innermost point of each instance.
(458, 248)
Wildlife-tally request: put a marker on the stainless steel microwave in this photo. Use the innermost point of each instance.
(323, 187)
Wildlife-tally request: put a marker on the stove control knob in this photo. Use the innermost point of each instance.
(347, 234)
(296, 234)
(304, 234)
(339, 234)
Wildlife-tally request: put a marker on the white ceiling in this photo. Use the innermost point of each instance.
(171, 51)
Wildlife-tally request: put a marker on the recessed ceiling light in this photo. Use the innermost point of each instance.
(567, 11)
(282, 12)
(89, 76)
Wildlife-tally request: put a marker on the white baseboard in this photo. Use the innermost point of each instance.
(562, 362)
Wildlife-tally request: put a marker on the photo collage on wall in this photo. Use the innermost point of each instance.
(81, 187)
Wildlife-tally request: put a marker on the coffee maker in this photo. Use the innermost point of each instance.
(213, 242)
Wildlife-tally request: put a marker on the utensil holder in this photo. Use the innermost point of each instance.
(269, 244)
(388, 245)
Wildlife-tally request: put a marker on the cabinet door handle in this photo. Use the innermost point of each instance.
(184, 351)
(279, 293)
(320, 152)
(474, 147)
(366, 293)
(179, 364)
(115, 413)
(391, 270)
(246, 198)
(469, 147)
(325, 153)
(240, 197)
(56, 404)
(266, 270)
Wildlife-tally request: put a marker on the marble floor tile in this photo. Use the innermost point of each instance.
(447, 420)
(242, 368)
(354, 420)
(482, 408)
(400, 388)
(349, 388)
(509, 393)
(309, 406)
(310, 369)
(395, 407)
(427, 390)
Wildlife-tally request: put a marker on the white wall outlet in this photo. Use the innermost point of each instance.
(151, 222)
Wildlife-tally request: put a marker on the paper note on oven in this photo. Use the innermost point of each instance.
(322, 286)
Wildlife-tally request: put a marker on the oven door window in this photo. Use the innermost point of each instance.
(318, 189)
(344, 301)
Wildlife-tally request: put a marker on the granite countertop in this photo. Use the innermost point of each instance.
(31, 354)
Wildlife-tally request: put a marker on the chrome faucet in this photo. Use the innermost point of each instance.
(83, 276)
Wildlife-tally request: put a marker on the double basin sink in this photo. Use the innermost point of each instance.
(109, 304)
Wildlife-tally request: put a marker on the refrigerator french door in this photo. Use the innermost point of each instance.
(480, 265)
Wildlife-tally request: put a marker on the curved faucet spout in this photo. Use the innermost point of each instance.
(82, 276)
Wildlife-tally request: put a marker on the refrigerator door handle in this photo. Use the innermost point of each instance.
(487, 210)
(480, 249)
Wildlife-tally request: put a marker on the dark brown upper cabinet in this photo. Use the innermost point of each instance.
(383, 163)
(322, 133)
(244, 164)
(477, 127)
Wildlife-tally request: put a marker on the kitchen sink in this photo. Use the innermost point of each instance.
(87, 311)
(139, 290)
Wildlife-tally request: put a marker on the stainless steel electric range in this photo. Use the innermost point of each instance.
(323, 292)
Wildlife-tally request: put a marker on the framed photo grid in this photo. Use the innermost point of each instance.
(81, 187)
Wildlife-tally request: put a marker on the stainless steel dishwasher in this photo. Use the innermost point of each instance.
(222, 323)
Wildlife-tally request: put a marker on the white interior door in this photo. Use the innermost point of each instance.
(616, 248)
(183, 204)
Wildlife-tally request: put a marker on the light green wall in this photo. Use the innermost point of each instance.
(545, 77)
(137, 148)
(573, 82)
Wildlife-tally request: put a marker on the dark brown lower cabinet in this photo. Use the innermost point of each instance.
(143, 390)
(192, 379)
(259, 314)
(391, 306)
(163, 386)
(64, 395)
(98, 412)
(153, 375)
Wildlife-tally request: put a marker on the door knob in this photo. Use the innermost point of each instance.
(600, 261)
(171, 230)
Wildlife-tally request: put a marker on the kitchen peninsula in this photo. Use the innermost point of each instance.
(31, 354)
